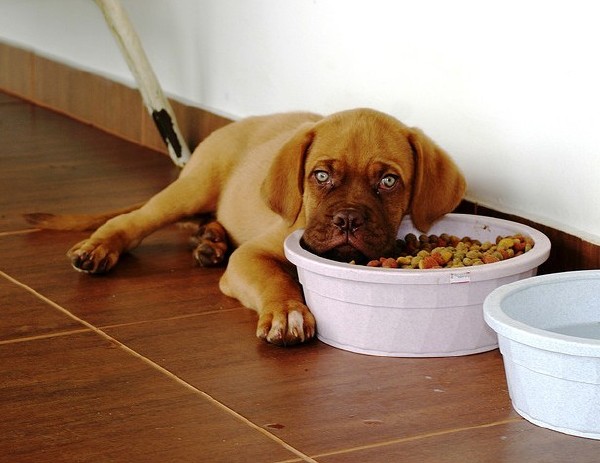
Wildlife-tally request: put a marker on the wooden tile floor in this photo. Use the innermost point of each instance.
(153, 364)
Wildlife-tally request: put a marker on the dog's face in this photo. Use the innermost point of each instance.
(350, 178)
(357, 183)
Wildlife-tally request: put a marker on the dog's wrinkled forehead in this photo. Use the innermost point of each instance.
(361, 135)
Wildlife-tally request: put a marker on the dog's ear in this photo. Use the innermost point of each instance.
(283, 186)
(438, 183)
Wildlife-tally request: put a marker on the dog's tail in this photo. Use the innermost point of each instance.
(74, 222)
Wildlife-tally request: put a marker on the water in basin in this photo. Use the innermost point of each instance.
(581, 330)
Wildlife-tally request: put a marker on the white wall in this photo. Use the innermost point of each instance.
(510, 89)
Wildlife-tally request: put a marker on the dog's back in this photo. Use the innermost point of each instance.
(239, 157)
(233, 159)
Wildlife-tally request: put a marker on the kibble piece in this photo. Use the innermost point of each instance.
(473, 254)
(490, 259)
(390, 262)
(404, 260)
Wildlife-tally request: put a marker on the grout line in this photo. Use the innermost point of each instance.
(19, 232)
(177, 317)
(402, 440)
(43, 336)
(293, 460)
(163, 370)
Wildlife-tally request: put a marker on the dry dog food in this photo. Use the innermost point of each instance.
(449, 251)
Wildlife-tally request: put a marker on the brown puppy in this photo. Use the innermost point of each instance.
(348, 179)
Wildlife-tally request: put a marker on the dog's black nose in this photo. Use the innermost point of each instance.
(348, 220)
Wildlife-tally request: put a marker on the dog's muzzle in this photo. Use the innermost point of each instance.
(345, 238)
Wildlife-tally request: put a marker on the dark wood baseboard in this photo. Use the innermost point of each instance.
(95, 100)
(118, 109)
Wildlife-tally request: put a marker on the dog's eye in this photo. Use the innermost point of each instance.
(321, 176)
(388, 182)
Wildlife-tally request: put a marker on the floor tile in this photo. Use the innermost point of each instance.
(82, 398)
(517, 441)
(156, 280)
(8, 99)
(24, 315)
(53, 164)
(319, 398)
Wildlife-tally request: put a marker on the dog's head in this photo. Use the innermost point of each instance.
(350, 178)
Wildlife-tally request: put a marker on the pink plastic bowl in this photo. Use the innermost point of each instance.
(412, 313)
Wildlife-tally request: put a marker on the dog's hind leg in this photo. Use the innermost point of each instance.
(210, 244)
(183, 198)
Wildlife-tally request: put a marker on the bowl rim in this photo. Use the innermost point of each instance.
(515, 330)
(327, 267)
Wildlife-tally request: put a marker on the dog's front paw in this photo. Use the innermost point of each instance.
(91, 256)
(285, 324)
